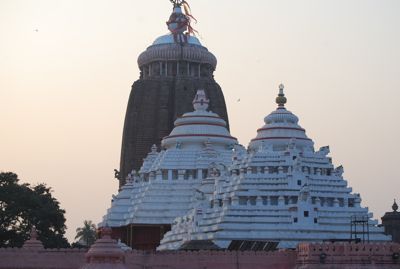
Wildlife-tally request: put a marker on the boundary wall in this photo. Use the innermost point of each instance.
(306, 256)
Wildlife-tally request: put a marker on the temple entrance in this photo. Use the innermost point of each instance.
(141, 237)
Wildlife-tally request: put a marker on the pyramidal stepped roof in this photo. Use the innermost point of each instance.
(281, 190)
(210, 188)
(167, 184)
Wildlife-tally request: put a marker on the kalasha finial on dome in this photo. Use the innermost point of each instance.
(179, 23)
(200, 102)
(395, 207)
(281, 99)
(176, 3)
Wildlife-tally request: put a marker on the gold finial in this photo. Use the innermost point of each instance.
(281, 99)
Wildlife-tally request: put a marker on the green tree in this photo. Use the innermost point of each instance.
(86, 235)
(23, 206)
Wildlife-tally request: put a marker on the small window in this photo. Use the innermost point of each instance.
(188, 174)
(274, 200)
(175, 174)
(299, 182)
(242, 200)
(315, 220)
(295, 220)
(254, 170)
(351, 202)
(164, 174)
(306, 214)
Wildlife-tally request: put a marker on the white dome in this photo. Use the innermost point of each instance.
(195, 128)
(281, 128)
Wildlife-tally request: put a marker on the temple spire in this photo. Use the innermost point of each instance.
(281, 99)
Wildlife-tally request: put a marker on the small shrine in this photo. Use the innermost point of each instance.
(391, 223)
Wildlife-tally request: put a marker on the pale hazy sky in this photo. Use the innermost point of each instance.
(64, 88)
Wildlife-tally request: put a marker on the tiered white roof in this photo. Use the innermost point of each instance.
(281, 126)
(167, 184)
(280, 190)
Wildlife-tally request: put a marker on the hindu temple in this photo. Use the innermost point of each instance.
(187, 183)
(191, 196)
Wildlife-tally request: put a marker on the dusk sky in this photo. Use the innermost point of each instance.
(67, 66)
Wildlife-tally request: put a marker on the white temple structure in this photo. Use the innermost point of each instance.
(280, 190)
(211, 189)
(167, 185)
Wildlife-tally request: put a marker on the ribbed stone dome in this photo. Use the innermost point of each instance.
(281, 128)
(199, 126)
(177, 52)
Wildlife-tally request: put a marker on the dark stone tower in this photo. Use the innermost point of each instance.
(172, 69)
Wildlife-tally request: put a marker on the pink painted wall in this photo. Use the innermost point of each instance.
(53, 258)
(307, 256)
(347, 256)
(213, 260)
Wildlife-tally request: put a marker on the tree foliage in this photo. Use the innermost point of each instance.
(23, 206)
(86, 235)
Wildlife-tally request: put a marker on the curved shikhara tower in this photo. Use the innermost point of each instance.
(171, 71)
(167, 184)
(279, 191)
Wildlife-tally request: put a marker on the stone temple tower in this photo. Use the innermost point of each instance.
(171, 70)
